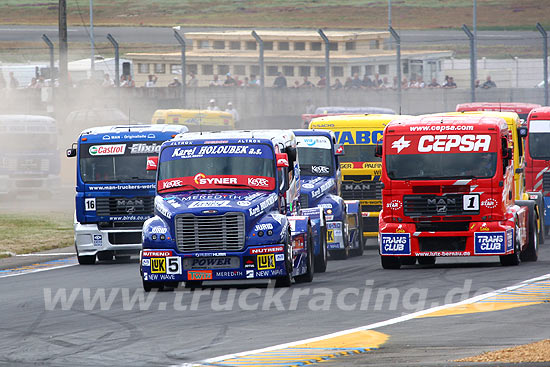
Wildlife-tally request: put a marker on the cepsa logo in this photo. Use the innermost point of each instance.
(446, 143)
(113, 149)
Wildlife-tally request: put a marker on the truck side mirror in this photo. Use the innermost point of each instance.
(340, 150)
(522, 131)
(152, 163)
(282, 160)
(71, 152)
(507, 153)
(378, 151)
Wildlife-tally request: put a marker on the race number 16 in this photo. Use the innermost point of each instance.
(89, 204)
(470, 202)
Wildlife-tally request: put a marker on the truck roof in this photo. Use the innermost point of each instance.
(518, 107)
(353, 121)
(284, 137)
(134, 129)
(454, 123)
(540, 112)
(311, 132)
(34, 119)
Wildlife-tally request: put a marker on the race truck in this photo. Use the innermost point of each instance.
(521, 108)
(361, 170)
(449, 191)
(321, 182)
(226, 209)
(29, 156)
(537, 158)
(114, 191)
(338, 110)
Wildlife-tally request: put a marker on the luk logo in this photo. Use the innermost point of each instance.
(395, 244)
(266, 262)
(199, 275)
(489, 242)
(158, 265)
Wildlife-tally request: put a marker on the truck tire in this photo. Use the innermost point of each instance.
(530, 253)
(359, 240)
(539, 215)
(307, 277)
(286, 280)
(514, 258)
(390, 262)
(86, 259)
(321, 259)
(426, 260)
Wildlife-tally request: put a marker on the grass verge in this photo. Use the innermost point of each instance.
(27, 233)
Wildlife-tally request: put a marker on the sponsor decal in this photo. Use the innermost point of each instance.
(372, 165)
(199, 275)
(279, 257)
(308, 186)
(209, 254)
(152, 164)
(266, 250)
(443, 253)
(243, 203)
(509, 239)
(394, 205)
(145, 262)
(122, 187)
(209, 204)
(489, 242)
(269, 273)
(229, 274)
(112, 149)
(320, 169)
(334, 225)
(250, 274)
(141, 148)
(173, 265)
(266, 262)
(360, 136)
(159, 230)
(207, 262)
(330, 235)
(171, 183)
(320, 142)
(484, 227)
(201, 179)
(258, 182)
(263, 227)
(489, 203)
(184, 152)
(89, 204)
(249, 262)
(395, 244)
(321, 190)
(445, 143)
(159, 206)
(282, 162)
(399, 229)
(98, 240)
(401, 144)
(158, 265)
(258, 209)
(153, 253)
(160, 276)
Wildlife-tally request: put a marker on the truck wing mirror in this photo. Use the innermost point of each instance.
(152, 163)
(522, 131)
(507, 153)
(340, 150)
(71, 152)
(282, 160)
(378, 151)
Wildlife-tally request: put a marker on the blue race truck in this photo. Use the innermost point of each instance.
(29, 156)
(226, 209)
(114, 191)
(321, 182)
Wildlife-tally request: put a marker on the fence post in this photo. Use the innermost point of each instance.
(48, 42)
(398, 53)
(117, 59)
(545, 60)
(183, 67)
(327, 64)
(472, 62)
(262, 74)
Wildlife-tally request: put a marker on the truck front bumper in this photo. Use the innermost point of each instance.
(90, 240)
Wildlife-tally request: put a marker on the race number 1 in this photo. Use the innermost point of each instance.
(89, 204)
(470, 202)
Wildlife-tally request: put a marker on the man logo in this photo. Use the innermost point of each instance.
(158, 265)
(266, 262)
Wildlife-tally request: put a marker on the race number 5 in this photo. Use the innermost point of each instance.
(470, 202)
(89, 204)
(174, 265)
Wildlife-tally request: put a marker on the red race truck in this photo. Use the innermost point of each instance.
(537, 158)
(521, 108)
(449, 191)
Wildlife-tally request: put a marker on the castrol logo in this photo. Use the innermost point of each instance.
(446, 143)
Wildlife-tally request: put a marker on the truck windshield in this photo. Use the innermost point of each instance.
(192, 167)
(315, 155)
(359, 153)
(539, 139)
(441, 166)
(101, 163)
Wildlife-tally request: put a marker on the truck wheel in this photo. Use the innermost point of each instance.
(286, 280)
(514, 258)
(530, 253)
(147, 286)
(342, 254)
(86, 259)
(307, 277)
(390, 262)
(321, 260)
(408, 260)
(359, 240)
(426, 260)
(105, 255)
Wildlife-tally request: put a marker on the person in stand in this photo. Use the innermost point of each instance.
(306, 83)
(151, 81)
(229, 81)
(280, 81)
(175, 83)
(337, 84)
(192, 82)
(450, 83)
(366, 82)
(215, 82)
(107, 81)
(322, 82)
(232, 111)
(434, 84)
(348, 83)
(254, 82)
(33, 83)
(488, 83)
(212, 105)
(377, 82)
(356, 82)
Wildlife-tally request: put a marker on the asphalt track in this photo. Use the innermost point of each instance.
(185, 327)
(165, 36)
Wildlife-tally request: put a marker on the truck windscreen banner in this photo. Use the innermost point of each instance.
(440, 143)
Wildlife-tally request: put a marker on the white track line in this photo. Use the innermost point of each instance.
(378, 324)
(36, 270)
(52, 254)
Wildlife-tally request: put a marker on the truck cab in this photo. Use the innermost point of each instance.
(321, 182)
(227, 208)
(114, 191)
(449, 191)
(521, 108)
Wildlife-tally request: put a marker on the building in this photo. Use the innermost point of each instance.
(296, 54)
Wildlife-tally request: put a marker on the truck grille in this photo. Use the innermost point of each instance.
(426, 244)
(432, 205)
(110, 206)
(546, 182)
(210, 233)
(124, 238)
(371, 208)
(365, 190)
